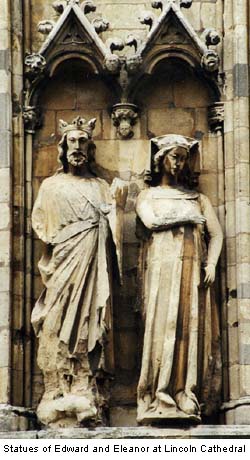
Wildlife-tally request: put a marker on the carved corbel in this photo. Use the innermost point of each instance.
(133, 64)
(36, 64)
(35, 68)
(216, 116)
(124, 116)
(32, 119)
(210, 61)
(112, 62)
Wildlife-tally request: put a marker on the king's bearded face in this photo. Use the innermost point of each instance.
(77, 143)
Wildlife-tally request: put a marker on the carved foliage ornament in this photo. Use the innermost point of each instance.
(172, 28)
(45, 27)
(163, 3)
(211, 37)
(73, 29)
(100, 25)
(86, 6)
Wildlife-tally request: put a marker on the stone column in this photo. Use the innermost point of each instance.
(236, 64)
(11, 418)
(5, 201)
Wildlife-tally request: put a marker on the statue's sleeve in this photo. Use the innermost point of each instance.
(214, 230)
(144, 210)
(117, 197)
(39, 216)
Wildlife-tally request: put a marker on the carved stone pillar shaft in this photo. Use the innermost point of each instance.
(216, 116)
(237, 410)
(5, 205)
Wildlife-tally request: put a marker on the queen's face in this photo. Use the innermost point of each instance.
(77, 143)
(174, 161)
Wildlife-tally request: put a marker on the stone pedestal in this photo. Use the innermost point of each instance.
(236, 412)
(199, 432)
(14, 419)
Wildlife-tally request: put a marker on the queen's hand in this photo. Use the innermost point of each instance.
(209, 275)
(196, 219)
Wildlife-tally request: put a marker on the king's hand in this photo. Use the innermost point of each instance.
(119, 192)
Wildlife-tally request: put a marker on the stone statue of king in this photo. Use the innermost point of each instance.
(79, 218)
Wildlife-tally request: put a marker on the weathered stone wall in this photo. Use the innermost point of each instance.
(173, 100)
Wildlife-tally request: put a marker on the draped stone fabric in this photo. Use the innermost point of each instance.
(73, 316)
(181, 351)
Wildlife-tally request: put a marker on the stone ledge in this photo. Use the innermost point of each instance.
(14, 420)
(199, 432)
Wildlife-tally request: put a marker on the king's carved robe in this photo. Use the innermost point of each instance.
(77, 219)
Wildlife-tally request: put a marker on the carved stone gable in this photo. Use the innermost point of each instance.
(73, 32)
(173, 33)
(73, 35)
(172, 28)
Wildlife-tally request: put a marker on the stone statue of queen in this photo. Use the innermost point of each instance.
(182, 239)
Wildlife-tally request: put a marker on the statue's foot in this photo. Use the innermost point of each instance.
(76, 409)
(47, 412)
(165, 399)
(187, 403)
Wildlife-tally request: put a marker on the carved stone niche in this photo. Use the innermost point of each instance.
(172, 35)
(73, 36)
(124, 116)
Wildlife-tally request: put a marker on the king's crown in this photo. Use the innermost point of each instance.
(79, 124)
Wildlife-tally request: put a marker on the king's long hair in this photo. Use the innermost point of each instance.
(62, 154)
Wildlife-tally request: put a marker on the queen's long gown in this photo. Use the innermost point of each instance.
(73, 316)
(181, 351)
